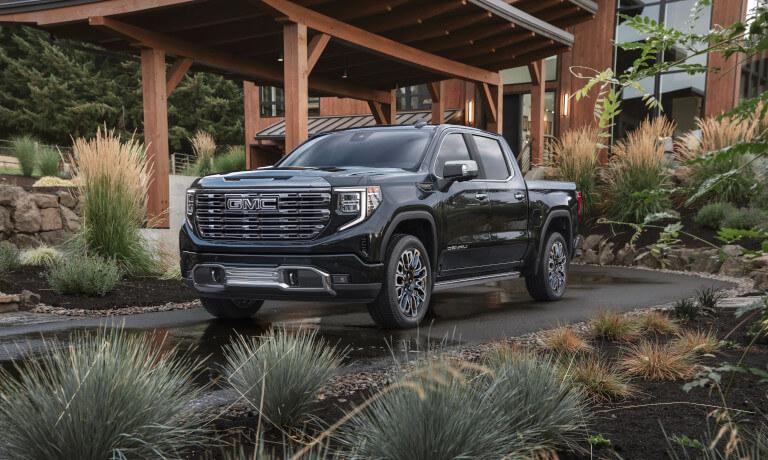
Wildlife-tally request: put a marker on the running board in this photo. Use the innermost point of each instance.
(474, 281)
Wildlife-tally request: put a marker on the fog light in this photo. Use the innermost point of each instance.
(217, 275)
(340, 279)
(292, 277)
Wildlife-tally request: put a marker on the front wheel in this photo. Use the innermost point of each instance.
(231, 308)
(404, 298)
(551, 277)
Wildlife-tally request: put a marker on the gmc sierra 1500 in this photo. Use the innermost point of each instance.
(384, 215)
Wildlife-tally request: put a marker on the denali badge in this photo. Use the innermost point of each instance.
(241, 203)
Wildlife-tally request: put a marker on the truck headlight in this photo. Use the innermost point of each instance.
(190, 206)
(357, 201)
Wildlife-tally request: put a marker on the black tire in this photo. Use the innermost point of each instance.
(539, 285)
(386, 310)
(231, 308)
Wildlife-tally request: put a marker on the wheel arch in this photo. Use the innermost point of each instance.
(557, 219)
(420, 224)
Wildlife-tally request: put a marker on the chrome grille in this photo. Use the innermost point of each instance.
(267, 215)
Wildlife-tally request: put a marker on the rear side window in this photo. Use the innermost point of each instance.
(453, 148)
(494, 165)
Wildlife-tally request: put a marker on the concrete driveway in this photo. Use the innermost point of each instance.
(467, 316)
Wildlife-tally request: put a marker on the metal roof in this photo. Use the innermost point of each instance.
(17, 6)
(324, 124)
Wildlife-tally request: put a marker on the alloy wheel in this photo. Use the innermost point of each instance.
(411, 282)
(556, 267)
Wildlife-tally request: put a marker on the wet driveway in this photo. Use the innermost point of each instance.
(466, 316)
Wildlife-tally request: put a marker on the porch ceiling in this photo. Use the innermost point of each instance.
(488, 35)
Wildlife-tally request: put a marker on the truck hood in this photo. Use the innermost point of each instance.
(297, 177)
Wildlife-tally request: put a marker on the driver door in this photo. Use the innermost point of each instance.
(465, 214)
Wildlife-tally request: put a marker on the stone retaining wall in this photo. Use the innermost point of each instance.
(28, 219)
(730, 260)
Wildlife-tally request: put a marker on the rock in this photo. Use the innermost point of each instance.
(676, 261)
(55, 237)
(67, 199)
(626, 255)
(45, 201)
(70, 220)
(591, 242)
(27, 215)
(50, 219)
(606, 254)
(590, 257)
(9, 194)
(9, 303)
(758, 262)
(706, 261)
(733, 266)
(29, 298)
(732, 250)
(647, 260)
(6, 225)
(761, 280)
(681, 174)
(23, 241)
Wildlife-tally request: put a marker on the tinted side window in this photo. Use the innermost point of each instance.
(494, 164)
(453, 148)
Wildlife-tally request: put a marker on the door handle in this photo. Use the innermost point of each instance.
(519, 195)
(481, 196)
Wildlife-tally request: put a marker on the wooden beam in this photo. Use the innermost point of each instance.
(439, 27)
(380, 44)
(378, 112)
(489, 100)
(296, 84)
(514, 52)
(538, 89)
(156, 135)
(413, 15)
(178, 70)
(82, 12)
(315, 50)
(231, 63)
(385, 113)
(436, 91)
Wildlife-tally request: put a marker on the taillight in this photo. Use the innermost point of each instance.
(579, 205)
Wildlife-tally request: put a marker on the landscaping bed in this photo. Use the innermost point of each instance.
(131, 291)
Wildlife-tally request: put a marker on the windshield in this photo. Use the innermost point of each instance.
(371, 148)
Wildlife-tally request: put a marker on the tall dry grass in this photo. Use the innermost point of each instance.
(204, 149)
(576, 160)
(113, 177)
(636, 178)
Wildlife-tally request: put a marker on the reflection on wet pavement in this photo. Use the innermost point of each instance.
(471, 315)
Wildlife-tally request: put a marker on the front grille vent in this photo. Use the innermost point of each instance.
(267, 215)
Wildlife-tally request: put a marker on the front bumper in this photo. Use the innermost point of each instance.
(281, 277)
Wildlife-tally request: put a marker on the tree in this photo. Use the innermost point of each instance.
(56, 90)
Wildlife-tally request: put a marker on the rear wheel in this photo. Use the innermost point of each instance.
(404, 298)
(231, 308)
(551, 277)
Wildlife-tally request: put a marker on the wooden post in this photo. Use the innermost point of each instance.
(296, 85)
(153, 86)
(251, 109)
(436, 92)
(385, 113)
(538, 89)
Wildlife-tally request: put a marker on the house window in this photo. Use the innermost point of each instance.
(681, 95)
(754, 77)
(414, 98)
(272, 102)
(521, 74)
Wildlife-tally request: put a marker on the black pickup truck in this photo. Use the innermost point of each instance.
(383, 215)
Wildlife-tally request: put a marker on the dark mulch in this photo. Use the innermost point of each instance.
(130, 292)
(621, 234)
(637, 427)
(21, 181)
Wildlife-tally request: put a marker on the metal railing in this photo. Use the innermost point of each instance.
(180, 162)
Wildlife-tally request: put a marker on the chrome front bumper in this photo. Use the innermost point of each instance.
(209, 277)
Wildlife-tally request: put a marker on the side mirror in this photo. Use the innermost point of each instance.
(460, 170)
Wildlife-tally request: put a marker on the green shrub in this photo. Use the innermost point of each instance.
(287, 369)
(712, 215)
(48, 160)
(520, 407)
(764, 246)
(230, 161)
(689, 309)
(87, 275)
(736, 188)
(434, 414)
(708, 298)
(41, 256)
(114, 179)
(746, 219)
(9, 258)
(636, 178)
(204, 148)
(25, 150)
(103, 395)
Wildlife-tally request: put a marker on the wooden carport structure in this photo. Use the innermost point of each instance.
(362, 49)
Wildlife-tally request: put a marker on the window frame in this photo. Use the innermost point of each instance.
(439, 147)
(504, 155)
